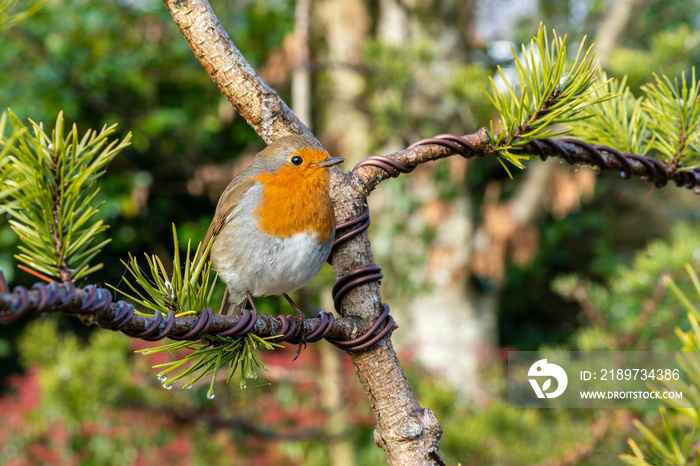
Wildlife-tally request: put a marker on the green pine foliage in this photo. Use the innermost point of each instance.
(549, 92)
(54, 186)
(187, 291)
(664, 122)
(674, 116)
(6, 169)
(553, 97)
(208, 357)
(620, 122)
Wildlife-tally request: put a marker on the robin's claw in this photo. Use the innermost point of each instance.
(301, 325)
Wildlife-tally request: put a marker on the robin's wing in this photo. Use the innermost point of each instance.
(229, 200)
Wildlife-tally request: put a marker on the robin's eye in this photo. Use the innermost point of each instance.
(296, 160)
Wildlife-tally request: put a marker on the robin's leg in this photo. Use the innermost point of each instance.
(250, 300)
(301, 318)
(228, 308)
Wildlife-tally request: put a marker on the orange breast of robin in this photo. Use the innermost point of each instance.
(297, 199)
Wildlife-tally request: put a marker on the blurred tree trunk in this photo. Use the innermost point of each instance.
(338, 428)
(301, 74)
(613, 27)
(338, 425)
(344, 128)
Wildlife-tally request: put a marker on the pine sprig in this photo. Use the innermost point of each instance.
(549, 92)
(9, 18)
(212, 354)
(55, 184)
(678, 442)
(674, 114)
(187, 290)
(619, 122)
(7, 193)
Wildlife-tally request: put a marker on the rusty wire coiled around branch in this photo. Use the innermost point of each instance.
(119, 315)
(602, 157)
(64, 297)
(384, 323)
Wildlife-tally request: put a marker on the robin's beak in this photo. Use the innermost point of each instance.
(330, 161)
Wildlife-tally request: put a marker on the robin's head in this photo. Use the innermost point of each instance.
(294, 156)
(294, 173)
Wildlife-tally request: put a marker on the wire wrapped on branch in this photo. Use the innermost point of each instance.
(371, 171)
(119, 315)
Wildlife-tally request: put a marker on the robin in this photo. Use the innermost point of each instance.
(274, 224)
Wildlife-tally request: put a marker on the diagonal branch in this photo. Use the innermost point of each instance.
(257, 102)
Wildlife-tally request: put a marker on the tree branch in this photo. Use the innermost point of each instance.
(259, 104)
(408, 433)
(97, 302)
(365, 178)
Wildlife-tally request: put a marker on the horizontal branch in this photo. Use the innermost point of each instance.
(369, 173)
(97, 303)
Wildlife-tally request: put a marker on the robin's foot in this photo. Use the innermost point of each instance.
(301, 319)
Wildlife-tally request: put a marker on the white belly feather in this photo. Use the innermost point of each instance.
(263, 264)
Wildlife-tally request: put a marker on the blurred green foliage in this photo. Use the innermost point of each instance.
(676, 443)
(405, 81)
(633, 298)
(79, 376)
(105, 63)
(673, 50)
(92, 401)
(96, 402)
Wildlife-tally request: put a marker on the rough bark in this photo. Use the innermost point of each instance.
(408, 433)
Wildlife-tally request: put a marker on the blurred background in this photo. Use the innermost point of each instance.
(475, 263)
